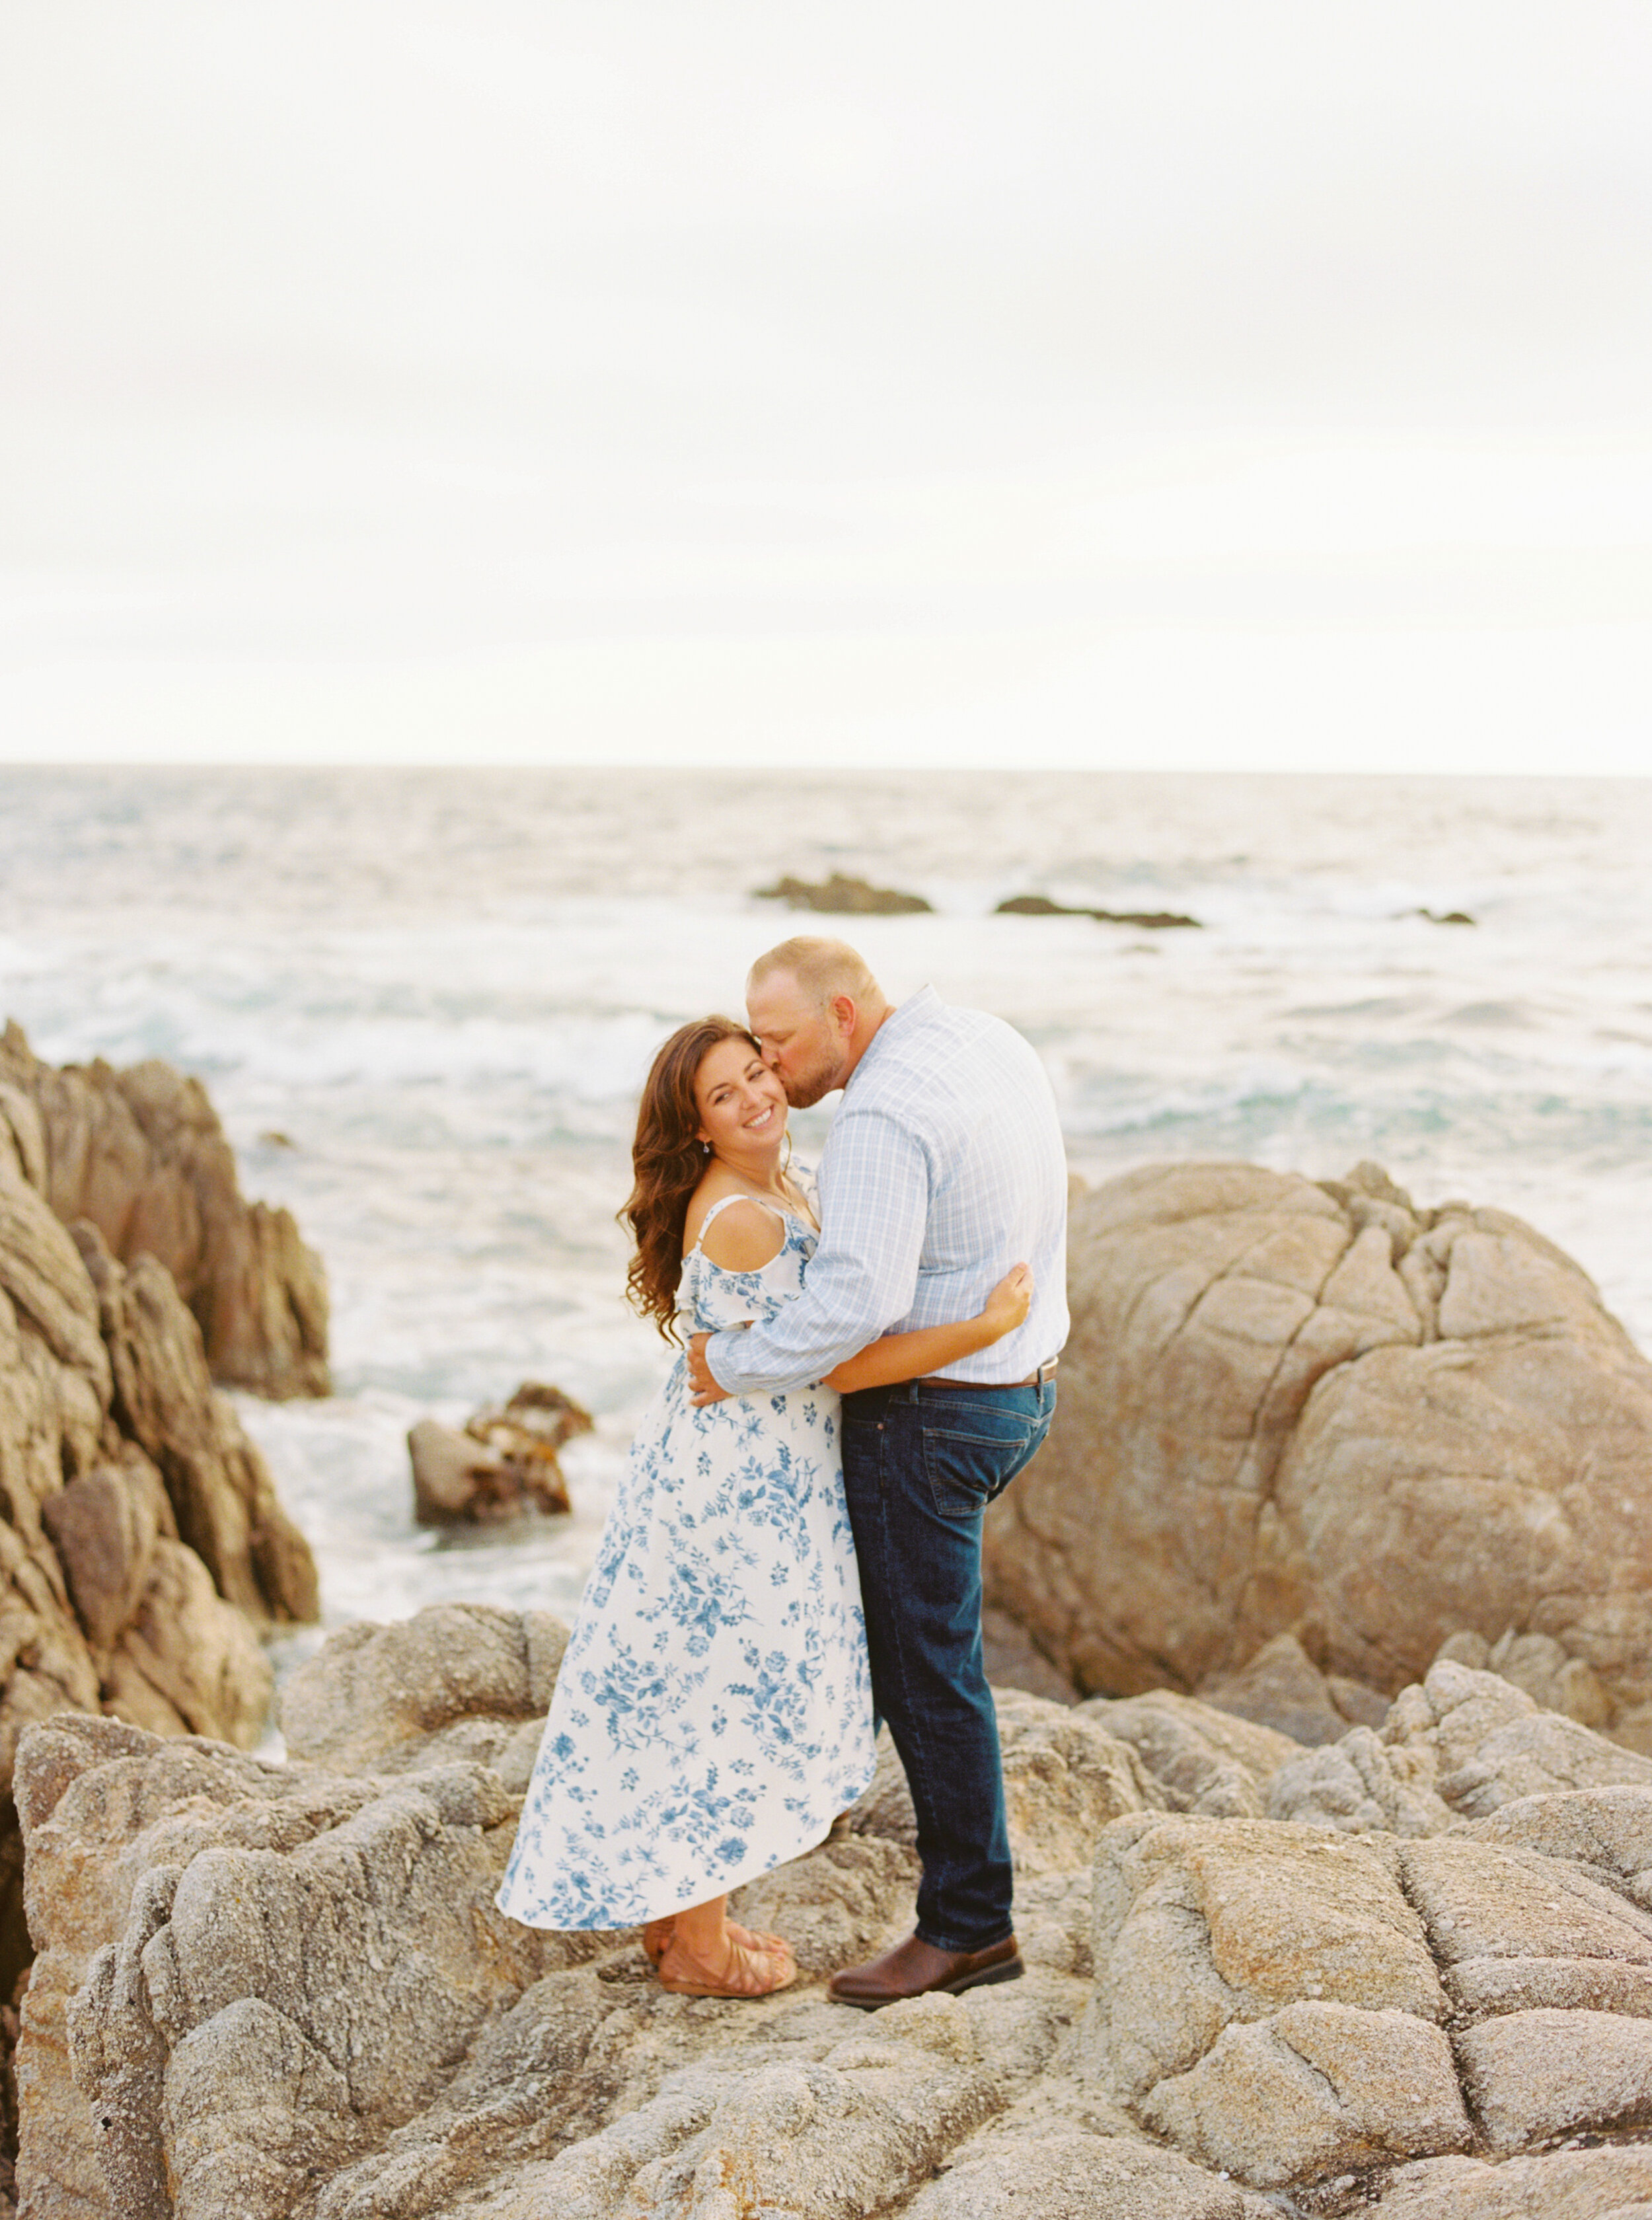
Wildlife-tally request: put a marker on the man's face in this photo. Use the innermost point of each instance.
(802, 1043)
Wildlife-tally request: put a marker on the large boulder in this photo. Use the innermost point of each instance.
(1317, 1410)
(253, 1966)
(141, 1155)
(1199, 1759)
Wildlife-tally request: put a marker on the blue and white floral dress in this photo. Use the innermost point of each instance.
(714, 1712)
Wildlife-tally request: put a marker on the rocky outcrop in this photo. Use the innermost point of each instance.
(501, 1464)
(1153, 921)
(140, 1153)
(1320, 1411)
(164, 1401)
(459, 1681)
(1282, 1687)
(1201, 1759)
(842, 895)
(140, 1539)
(283, 1991)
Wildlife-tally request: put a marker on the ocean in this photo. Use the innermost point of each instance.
(423, 1002)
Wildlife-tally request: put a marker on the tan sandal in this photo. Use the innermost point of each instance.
(744, 1973)
(656, 1939)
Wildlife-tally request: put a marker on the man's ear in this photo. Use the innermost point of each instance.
(842, 1012)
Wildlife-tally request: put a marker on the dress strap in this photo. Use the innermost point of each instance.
(723, 1205)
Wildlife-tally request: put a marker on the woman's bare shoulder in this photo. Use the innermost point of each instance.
(744, 1237)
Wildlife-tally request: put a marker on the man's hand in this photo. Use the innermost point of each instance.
(700, 1378)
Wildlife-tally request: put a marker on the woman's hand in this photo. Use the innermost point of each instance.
(1009, 1302)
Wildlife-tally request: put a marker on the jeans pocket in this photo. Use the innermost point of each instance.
(965, 1463)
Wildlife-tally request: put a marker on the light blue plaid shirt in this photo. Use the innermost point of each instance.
(943, 1167)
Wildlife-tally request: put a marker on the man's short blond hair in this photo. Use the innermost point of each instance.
(822, 969)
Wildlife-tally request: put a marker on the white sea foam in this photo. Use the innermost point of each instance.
(443, 990)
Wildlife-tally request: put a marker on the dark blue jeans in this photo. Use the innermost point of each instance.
(921, 1462)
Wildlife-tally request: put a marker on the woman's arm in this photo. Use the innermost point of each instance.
(927, 1348)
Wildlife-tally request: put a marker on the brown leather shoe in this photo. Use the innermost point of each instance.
(915, 1969)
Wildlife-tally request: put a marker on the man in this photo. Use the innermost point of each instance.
(943, 1167)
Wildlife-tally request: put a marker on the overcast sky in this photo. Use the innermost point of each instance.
(1215, 383)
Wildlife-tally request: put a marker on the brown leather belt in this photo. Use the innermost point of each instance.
(989, 1386)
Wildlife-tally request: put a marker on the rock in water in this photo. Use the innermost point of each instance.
(842, 895)
(1318, 1409)
(503, 1462)
(1152, 920)
(141, 1153)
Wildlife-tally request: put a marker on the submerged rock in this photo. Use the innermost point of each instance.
(842, 895)
(1152, 920)
(1317, 1410)
(140, 1153)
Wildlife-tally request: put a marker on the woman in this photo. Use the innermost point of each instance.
(712, 1714)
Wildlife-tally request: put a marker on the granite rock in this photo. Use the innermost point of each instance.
(1266, 2000)
(842, 895)
(500, 1464)
(283, 1993)
(1483, 1742)
(1320, 1410)
(140, 1153)
(1201, 1759)
(116, 1454)
(456, 1681)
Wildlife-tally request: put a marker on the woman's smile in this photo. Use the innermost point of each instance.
(741, 1103)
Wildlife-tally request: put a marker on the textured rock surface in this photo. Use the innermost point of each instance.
(1065, 1776)
(141, 1155)
(459, 1680)
(1200, 1759)
(140, 1535)
(115, 1450)
(1266, 1999)
(221, 1494)
(1581, 2184)
(1319, 1410)
(282, 1992)
(1484, 1742)
(1282, 1687)
(249, 1964)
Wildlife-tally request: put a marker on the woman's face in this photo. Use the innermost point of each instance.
(742, 1105)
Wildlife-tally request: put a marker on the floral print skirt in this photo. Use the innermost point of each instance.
(712, 1714)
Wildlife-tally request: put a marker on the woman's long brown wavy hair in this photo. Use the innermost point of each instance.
(666, 1163)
